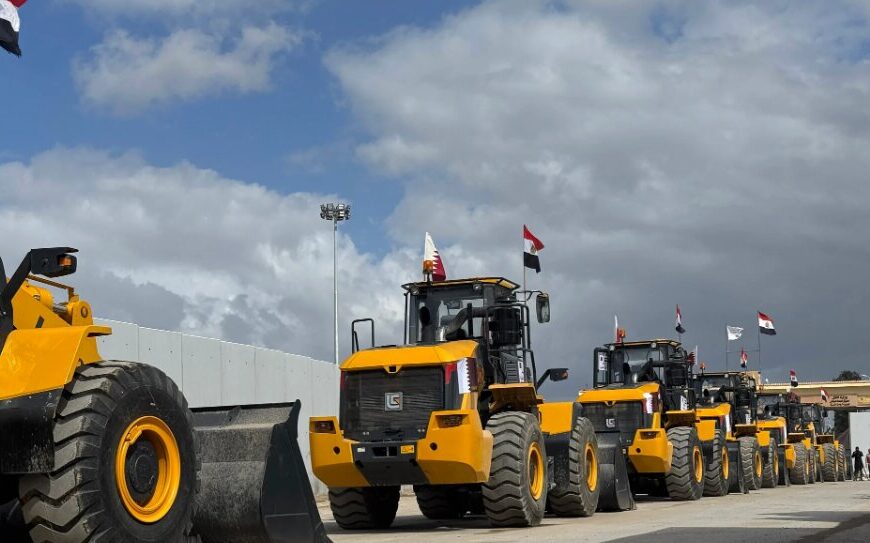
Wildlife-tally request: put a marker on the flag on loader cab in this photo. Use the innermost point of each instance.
(734, 332)
(824, 394)
(692, 358)
(744, 358)
(432, 264)
(679, 325)
(765, 324)
(10, 25)
(530, 250)
(792, 376)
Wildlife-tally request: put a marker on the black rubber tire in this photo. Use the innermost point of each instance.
(507, 496)
(841, 459)
(442, 502)
(784, 479)
(817, 458)
(814, 473)
(681, 481)
(800, 474)
(770, 471)
(572, 496)
(829, 466)
(750, 455)
(79, 500)
(715, 476)
(364, 508)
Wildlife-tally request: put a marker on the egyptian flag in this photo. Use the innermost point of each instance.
(744, 358)
(432, 263)
(10, 24)
(824, 394)
(765, 324)
(530, 250)
(792, 375)
(679, 325)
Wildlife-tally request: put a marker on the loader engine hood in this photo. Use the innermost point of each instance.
(395, 358)
(618, 393)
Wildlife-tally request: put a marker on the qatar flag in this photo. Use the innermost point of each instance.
(432, 263)
(765, 324)
(10, 25)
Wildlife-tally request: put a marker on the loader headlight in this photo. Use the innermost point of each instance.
(324, 427)
(450, 421)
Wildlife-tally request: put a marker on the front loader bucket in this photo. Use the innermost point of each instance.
(613, 475)
(255, 488)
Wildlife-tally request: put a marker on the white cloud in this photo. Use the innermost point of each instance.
(184, 248)
(711, 154)
(127, 74)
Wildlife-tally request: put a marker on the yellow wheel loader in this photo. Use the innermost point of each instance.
(650, 439)
(800, 454)
(455, 412)
(108, 451)
(829, 454)
(733, 396)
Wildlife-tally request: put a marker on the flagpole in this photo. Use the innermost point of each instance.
(523, 237)
(758, 329)
(726, 346)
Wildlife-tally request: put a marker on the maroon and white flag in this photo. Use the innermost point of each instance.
(765, 324)
(10, 25)
(432, 263)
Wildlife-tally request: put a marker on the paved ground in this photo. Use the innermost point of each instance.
(836, 512)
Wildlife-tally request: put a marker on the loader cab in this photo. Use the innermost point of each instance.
(735, 389)
(486, 310)
(662, 361)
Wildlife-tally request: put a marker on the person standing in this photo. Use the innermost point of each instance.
(858, 461)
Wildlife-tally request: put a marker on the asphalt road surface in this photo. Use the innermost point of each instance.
(836, 512)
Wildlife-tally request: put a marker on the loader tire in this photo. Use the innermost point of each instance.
(784, 479)
(442, 502)
(576, 489)
(686, 478)
(800, 474)
(364, 508)
(751, 462)
(718, 470)
(817, 458)
(841, 458)
(125, 462)
(829, 466)
(770, 471)
(516, 492)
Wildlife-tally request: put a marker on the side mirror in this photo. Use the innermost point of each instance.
(542, 307)
(825, 413)
(53, 262)
(553, 374)
(558, 374)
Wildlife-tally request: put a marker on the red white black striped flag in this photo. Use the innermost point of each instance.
(679, 324)
(765, 324)
(824, 395)
(744, 358)
(10, 25)
(531, 246)
(792, 375)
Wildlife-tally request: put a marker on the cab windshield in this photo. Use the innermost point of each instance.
(442, 314)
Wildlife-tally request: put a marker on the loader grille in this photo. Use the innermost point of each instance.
(366, 415)
(622, 417)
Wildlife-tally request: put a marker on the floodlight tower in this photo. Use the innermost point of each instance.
(335, 213)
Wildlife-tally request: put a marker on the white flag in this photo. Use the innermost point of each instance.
(734, 332)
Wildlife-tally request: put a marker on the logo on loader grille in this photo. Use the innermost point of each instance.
(393, 401)
(610, 423)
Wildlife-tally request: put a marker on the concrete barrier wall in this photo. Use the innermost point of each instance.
(214, 373)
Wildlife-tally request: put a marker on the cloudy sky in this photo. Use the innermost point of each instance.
(711, 154)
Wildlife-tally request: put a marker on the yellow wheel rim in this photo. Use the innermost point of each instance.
(536, 471)
(759, 464)
(698, 463)
(591, 468)
(157, 474)
(726, 463)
